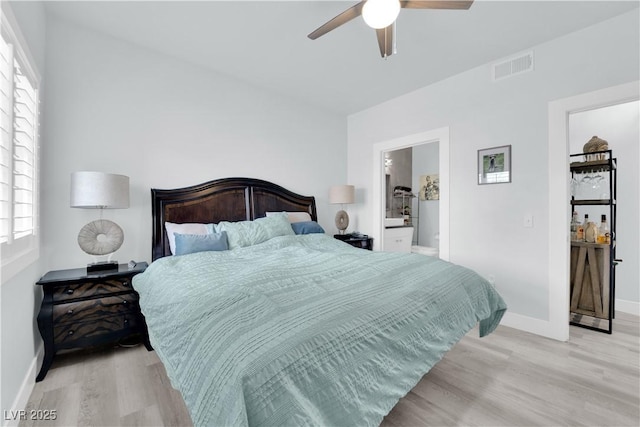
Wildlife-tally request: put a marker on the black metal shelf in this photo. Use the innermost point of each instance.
(593, 202)
(601, 161)
(605, 163)
(592, 166)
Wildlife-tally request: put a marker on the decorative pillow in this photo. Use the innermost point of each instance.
(192, 243)
(248, 233)
(186, 228)
(294, 216)
(307, 227)
(276, 225)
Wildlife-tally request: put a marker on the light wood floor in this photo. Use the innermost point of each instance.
(510, 378)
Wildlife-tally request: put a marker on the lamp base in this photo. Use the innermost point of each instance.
(102, 266)
(342, 221)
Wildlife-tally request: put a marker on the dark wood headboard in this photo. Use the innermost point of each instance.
(228, 199)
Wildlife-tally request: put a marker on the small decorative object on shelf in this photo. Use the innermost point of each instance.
(82, 309)
(591, 233)
(595, 144)
(357, 240)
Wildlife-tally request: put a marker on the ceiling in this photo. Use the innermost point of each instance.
(264, 43)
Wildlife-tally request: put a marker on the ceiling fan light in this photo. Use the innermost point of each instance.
(380, 13)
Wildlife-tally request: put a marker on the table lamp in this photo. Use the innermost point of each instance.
(99, 190)
(342, 194)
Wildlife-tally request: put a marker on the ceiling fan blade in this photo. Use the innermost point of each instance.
(386, 40)
(343, 18)
(437, 4)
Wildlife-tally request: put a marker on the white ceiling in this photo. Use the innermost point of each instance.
(264, 43)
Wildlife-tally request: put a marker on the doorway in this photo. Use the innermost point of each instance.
(412, 192)
(559, 209)
(618, 124)
(440, 136)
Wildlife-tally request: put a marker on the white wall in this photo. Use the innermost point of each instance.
(19, 298)
(620, 126)
(425, 162)
(486, 222)
(116, 107)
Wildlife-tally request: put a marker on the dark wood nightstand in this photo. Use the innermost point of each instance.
(359, 241)
(83, 309)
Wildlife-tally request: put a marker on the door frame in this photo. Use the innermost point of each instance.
(558, 190)
(440, 135)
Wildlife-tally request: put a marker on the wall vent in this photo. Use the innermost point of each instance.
(519, 64)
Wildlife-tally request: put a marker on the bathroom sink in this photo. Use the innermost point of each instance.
(393, 222)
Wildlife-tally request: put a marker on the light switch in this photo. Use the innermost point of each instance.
(528, 221)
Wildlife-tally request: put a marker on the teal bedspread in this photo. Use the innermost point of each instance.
(306, 330)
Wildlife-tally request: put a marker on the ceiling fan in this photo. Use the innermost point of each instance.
(381, 16)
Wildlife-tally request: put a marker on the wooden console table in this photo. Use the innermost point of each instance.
(590, 279)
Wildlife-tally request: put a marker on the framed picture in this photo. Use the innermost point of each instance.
(494, 165)
(430, 187)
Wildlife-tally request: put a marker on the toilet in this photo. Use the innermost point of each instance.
(425, 250)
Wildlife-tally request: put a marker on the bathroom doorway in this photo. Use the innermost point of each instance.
(426, 141)
(412, 183)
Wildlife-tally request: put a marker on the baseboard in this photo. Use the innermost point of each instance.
(547, 329)
(532, 325)
(630, 307)
(21, 400)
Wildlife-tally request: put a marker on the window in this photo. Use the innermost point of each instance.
(18, 152)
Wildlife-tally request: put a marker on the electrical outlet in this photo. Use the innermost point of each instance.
(528, 221)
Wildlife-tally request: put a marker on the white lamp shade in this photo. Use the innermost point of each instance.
(342, 194)
(99, 190)
(380, 13)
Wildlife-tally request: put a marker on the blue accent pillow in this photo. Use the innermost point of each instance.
(307, 227)
(192, 243)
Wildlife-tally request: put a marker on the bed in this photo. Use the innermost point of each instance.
(298, 329)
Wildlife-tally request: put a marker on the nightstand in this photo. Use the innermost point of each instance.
(83, 309)
(359, 241)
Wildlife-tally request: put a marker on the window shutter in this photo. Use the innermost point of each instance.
(6, 137)
(24, 148)
(19, 173)
(18, 132)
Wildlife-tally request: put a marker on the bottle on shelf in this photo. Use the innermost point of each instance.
(582, 230)
(604, 234)
(580, 233)
(575, 223)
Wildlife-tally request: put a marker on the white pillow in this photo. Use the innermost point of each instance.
(186, 228)
(294, 216)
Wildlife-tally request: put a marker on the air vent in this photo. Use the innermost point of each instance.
(515, 65)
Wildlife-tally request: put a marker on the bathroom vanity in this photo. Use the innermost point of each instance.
(398, 239)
